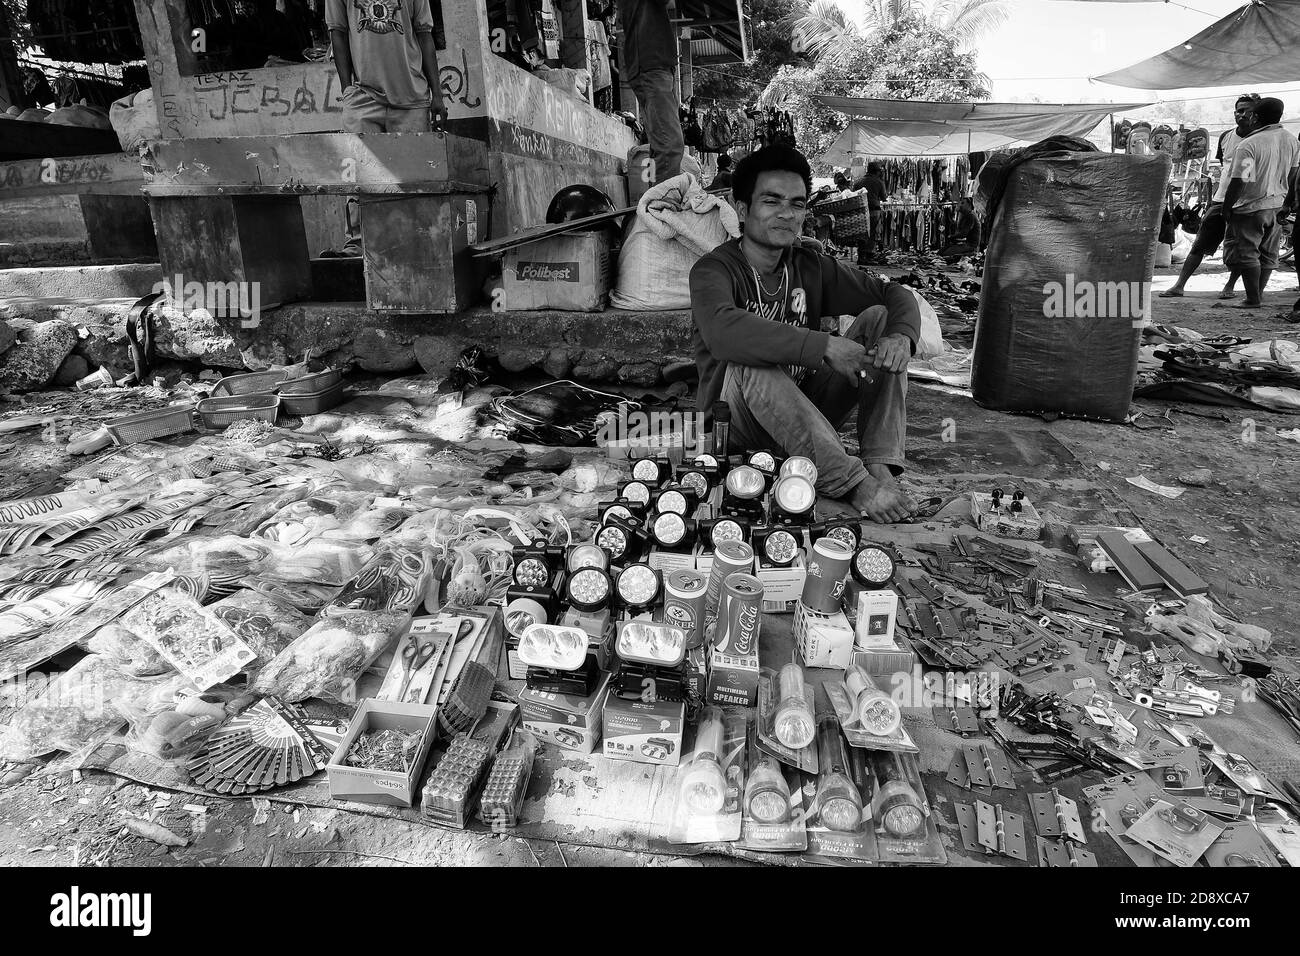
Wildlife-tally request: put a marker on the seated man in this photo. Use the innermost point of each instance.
(758, 302)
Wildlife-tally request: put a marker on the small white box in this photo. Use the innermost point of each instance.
(782, 587)
(824, 640)
(877, 615)
(666, 562)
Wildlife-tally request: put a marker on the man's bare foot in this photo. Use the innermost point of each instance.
(881, 500)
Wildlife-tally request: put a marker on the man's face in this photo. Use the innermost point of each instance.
(1242, 113)
(774, 216)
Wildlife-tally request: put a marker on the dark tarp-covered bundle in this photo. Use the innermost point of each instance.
(1067, 279)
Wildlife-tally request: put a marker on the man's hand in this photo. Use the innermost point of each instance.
(848, 358)
(437, 111)
(892, 353)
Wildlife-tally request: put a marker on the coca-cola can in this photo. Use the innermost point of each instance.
(685, 592)
(828, 567)
(742, 602)
(728, 558)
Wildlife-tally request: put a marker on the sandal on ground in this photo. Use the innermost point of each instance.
(1171, 294)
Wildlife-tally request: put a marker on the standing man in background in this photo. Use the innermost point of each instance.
(876, 194)
(1261, 186)
(648, 63)
(388, 66)
(1213, 226)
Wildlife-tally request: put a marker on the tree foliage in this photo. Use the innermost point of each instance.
(913, 59)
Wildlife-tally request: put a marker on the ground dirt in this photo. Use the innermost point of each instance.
(1249, 511)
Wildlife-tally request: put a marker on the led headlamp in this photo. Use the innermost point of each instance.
(652, 657)
(793, 500)
(623, 539)
(716, 530)
(676, 498)
(743, 493)
(635, 490)
(873, 566)
(589, 589)
(557, 659)
(776, 547)
(672, 532)
(639, 587)
(624, 508)
(845, 531)
(653, 471)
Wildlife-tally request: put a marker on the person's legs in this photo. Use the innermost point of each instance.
(1269, 248)
(362, 114)
(769, 410)
(657, 94)
(1207, 240)
(881, 403)
(1248, 232)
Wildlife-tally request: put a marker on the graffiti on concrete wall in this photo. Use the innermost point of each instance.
(242, 93)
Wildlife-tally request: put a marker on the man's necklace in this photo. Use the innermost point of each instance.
(781, 286)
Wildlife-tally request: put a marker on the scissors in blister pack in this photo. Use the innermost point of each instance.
(417, 652)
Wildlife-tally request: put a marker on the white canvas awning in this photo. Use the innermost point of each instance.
(1257, 43)
(929, 128)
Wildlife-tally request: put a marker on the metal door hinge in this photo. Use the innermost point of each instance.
(960, 720)
(1063, 853)
(993, 829)
(980, 765)
(1057, 816)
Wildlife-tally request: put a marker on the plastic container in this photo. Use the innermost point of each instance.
(226, 410)
(312, 403)
(145, 426)
(312, 384)
(250, 383)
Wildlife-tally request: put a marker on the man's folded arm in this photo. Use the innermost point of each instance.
(736, 335)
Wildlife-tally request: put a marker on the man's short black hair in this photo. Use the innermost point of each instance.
(875, 169)
(1269, 110)
(769, 159)
(1247, 98)
(724, 161)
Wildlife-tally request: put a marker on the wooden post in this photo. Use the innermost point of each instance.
(685, 69)
(573, 33)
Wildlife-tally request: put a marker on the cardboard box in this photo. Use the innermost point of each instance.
(568, 722)
(823, 640)
(570, 272)
(783, 587)
(733, 680)
(643, 732)
(877, 615)
(884, 661)
(378, 786)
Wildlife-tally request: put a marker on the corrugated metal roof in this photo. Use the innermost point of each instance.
(732, 38)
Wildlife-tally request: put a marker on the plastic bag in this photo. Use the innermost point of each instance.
(396, 579)
(266, 625)
(326, 660)
(135, 120)
(80, 708)
(133, 654)
(930, 344)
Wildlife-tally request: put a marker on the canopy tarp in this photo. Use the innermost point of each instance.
(899, 138)
(1017, 121)
(1257, 43)
(928, 128)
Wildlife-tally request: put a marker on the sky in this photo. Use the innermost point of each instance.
(1049, 47)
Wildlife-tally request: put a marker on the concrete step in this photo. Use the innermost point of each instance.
(132, 280)
(634, 348)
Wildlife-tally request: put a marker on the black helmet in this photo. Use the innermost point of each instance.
(578, 202)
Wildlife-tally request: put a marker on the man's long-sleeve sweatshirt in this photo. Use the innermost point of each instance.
(738, 321)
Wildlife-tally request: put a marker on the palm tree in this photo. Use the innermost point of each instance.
(825, 31)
